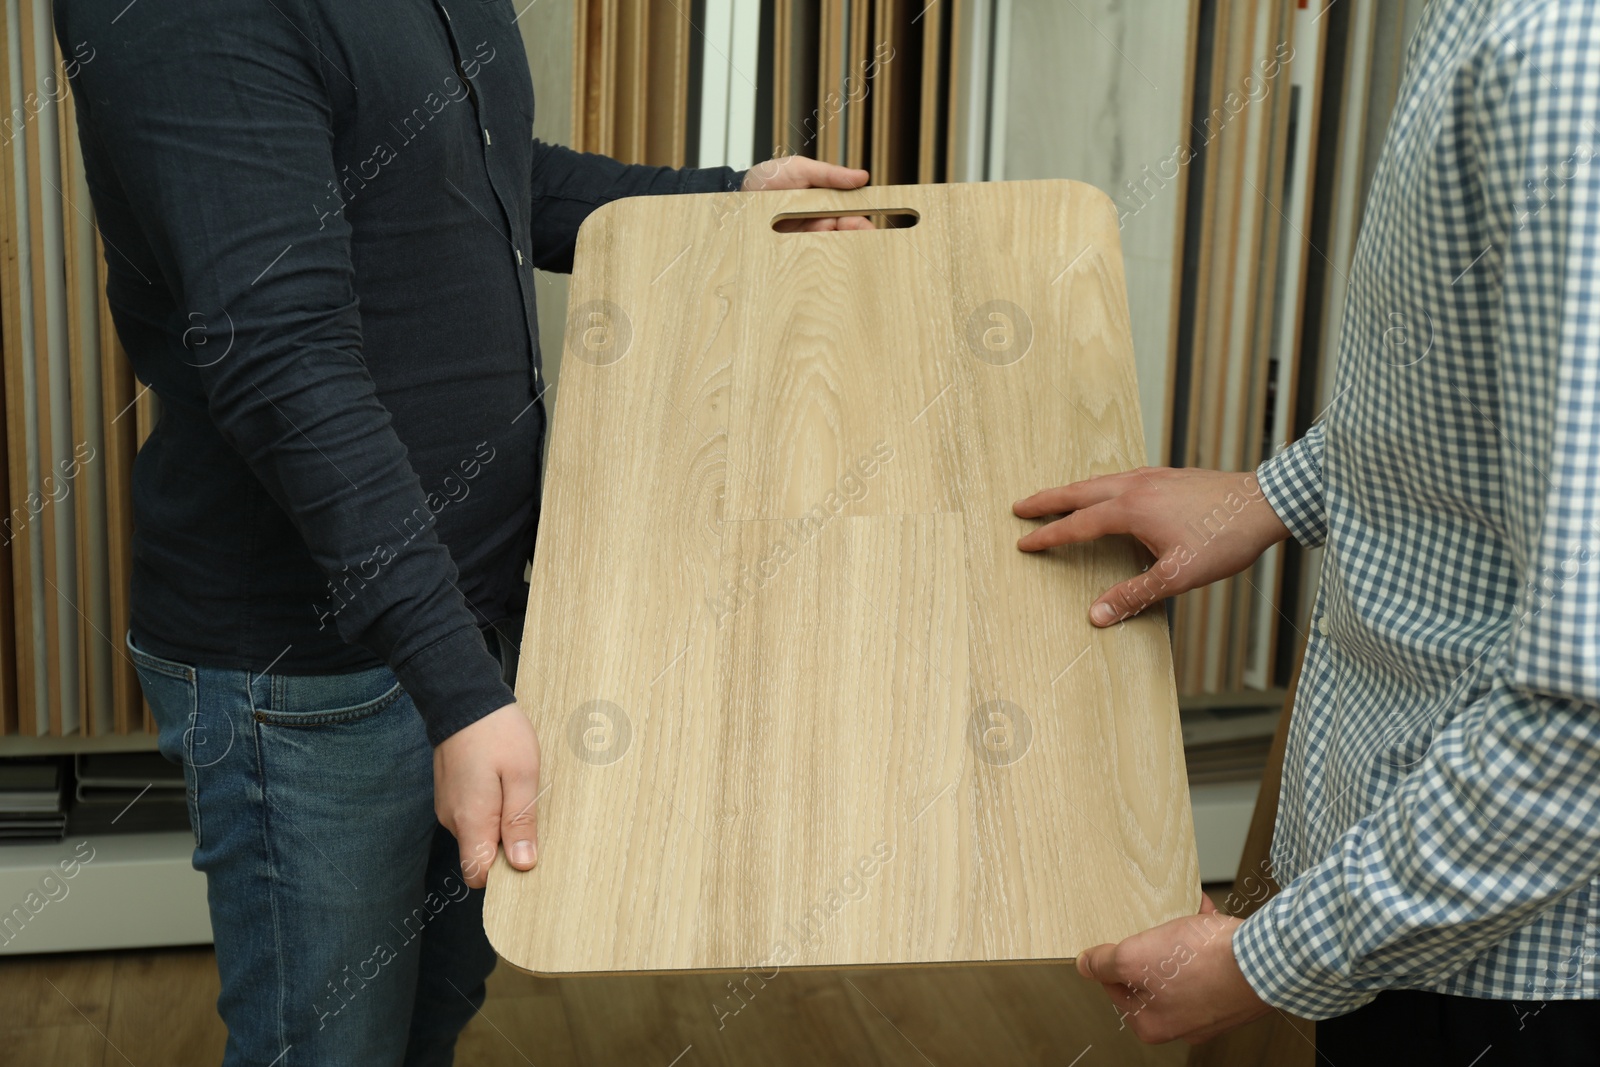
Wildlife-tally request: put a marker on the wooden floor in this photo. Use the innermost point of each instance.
(157, 1007)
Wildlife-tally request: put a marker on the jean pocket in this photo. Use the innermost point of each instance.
(329, 699)
(172, 691)
(145, 661)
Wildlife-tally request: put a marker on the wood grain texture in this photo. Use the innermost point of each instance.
(158, 985)
(802, 679)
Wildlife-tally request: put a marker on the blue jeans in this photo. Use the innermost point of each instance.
(345, 933)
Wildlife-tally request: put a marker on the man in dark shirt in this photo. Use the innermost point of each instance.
(321, 223)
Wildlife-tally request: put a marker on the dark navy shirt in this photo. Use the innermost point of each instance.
(321, 221)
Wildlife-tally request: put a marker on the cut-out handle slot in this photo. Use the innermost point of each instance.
(893, 218)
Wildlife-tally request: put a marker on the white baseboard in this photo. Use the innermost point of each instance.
(116, 891)
(1222, 814)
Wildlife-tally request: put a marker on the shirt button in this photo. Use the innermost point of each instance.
(518, 251)
(487, 140)
(1322, 625)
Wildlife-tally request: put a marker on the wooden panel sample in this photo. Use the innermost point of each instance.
(98, 649)
(583, 105)
(594, 75)
(896, 113)
(1102, 95)
(830, 81)
(782, 61)
(46, 270)
(1240, 252)
(952, 88)
(803, 702)
(118, 388)
(632, 34)
(856, 105)
(667, 115)
(795, 126)
(932, 69)
(8, 631)
(1250, 599)
(24, 663)
(1219, 234)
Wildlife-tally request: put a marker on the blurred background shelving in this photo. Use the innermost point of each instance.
(1237, 139)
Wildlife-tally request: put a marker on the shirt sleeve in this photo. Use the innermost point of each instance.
(216, 130)
(1501, 817)
(1292, 484)
(569, 186)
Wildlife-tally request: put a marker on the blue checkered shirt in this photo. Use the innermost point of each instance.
(1439, 822)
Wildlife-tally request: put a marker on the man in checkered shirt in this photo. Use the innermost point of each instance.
(1438, 835)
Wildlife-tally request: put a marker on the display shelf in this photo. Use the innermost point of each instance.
(102, 892)
(1222, 812)
(74, 743)
(1244, 698)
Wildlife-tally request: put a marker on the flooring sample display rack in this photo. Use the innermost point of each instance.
(802, 701)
